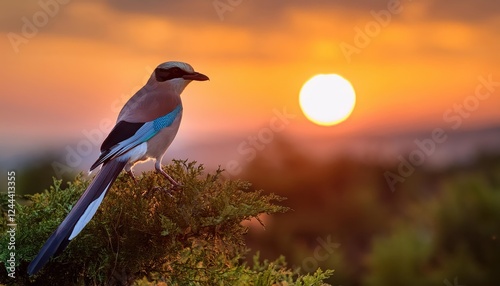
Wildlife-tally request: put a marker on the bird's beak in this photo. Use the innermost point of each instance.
(195, 76)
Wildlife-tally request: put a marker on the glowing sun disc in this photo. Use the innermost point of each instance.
(327, 99)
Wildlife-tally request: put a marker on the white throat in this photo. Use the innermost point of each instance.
(177, 85)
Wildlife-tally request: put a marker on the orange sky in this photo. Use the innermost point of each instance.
(90, 56)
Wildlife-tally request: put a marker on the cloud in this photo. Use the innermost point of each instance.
(104, 19)
(280, 43)
(262, 13)
(464, 11)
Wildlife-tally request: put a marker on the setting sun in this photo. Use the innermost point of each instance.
(327, 99)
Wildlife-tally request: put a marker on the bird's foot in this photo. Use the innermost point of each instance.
(166, 176)
(169, 191)
(175, 187)
(151, 192)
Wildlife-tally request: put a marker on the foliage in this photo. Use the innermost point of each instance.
(441, 223)
(142, 234)
(456, 235)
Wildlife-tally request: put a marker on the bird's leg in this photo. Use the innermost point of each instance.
(160, 170)
(131, 174)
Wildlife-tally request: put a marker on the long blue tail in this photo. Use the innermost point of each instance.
(79, 215)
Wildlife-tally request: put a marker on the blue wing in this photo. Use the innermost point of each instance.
(125, 136)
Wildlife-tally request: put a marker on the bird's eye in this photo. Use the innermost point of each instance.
(162, 74)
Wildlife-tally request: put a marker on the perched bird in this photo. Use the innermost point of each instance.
(145, 128)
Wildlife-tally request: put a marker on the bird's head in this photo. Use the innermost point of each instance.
(176, 74)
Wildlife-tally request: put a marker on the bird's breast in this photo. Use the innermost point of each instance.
(162, 140)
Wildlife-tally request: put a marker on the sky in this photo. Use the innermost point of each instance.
(69, 65)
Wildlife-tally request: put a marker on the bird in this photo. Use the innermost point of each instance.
(145, 128)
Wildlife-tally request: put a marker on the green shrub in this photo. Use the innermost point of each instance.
(142, 235)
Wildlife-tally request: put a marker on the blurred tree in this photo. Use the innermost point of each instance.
(409, 229)
(35, 176)
(454, 235)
